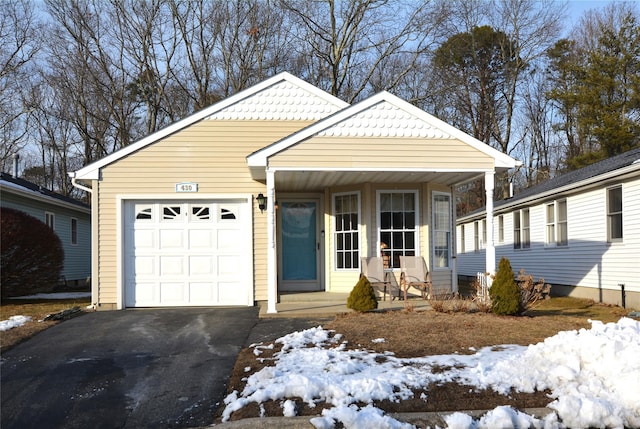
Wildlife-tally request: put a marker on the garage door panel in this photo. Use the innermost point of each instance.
(187, 253)
(173, 293)
(201, 265)
(145, 265)
(201, 238)
(171, 239)
(202, 292)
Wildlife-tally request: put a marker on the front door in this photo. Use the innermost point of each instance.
(299, 245)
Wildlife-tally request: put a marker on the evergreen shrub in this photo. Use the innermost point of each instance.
(32, 256)
(504, 291)
(362, 297)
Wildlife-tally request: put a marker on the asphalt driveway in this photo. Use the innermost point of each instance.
(126, 369)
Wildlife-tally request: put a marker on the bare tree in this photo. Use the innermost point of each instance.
(19, 44)
(353, 48)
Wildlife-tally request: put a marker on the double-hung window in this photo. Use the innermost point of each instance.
(556, 234)
(521, 233)
(500, 229)
(614, 214)
(462, 238)
(50, 220)
(442, 215)
(398, 232)
(476, 236)
(346, 215)
(74, 230)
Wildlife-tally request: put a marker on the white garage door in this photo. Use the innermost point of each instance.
(195, 253)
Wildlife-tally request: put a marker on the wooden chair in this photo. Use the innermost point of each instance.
(372, 268)
(414, 273)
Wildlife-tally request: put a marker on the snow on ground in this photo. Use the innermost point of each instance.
(593, 375)
(13, 322)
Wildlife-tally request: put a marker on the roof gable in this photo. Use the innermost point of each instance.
(383, 115)
(282, 97)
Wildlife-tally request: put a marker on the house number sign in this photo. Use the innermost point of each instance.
(186, 187)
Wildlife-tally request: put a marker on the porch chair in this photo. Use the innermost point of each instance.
(372, 268)
(414, 272)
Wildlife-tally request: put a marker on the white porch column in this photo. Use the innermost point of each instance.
(272, 268)
(490, 248)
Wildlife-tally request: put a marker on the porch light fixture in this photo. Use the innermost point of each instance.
(262, 202)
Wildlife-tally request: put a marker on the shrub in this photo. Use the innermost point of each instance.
(362, 297)
(32, 254)
(530, 291)
(504, 291)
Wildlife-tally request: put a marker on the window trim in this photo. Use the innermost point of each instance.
(416, 235)
(462, 238)
(483, 242)
(50, 220)
(610, 215)
(476, 236)
(74, 231)
(335, 231)
(500, 228)
(519, 232)
(553, 226)
(448, 266)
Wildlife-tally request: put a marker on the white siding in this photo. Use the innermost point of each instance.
(588, 261)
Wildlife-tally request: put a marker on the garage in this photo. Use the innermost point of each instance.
(187, 253)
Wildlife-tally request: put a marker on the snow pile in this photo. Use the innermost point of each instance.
(594, 377)
(13, 322)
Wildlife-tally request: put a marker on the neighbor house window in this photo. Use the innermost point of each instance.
(614, 214)
(346, 213)
(74, 231)
(397, 225)
(521, 236)
(500, 229)
(556, 213)
(441, 230)
(484, 233)
(462, 239)
(476, 236)
(50, 220)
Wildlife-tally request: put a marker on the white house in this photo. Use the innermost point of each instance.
(579, 231)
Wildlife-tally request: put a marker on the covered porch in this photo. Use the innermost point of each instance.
(376, 177)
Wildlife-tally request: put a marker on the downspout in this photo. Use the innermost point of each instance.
(94, 251)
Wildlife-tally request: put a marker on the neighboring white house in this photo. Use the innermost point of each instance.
(579, 231)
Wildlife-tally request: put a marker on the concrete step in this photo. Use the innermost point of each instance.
(313, 297)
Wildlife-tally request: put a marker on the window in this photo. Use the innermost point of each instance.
(397, 223)
(476, 236)
(556, 225)
(50, 220)
(346, 215)
(521, 234)
(441, 230)
(614, 214)
(500, 229)
(462, 239)
(74, 231)
(484, 233)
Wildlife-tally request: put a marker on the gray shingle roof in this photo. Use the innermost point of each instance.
(6, 177)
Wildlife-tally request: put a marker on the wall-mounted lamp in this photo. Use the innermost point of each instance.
(262, 202)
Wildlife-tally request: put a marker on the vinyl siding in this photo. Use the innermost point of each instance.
(211, 153)
(588, 261)
(382, 153)
(77, 257)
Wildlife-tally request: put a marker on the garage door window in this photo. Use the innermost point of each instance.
(228, 213)
(199, 213)
(143, 212)
(170, 213)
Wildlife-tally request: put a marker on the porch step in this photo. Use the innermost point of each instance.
(313, 297)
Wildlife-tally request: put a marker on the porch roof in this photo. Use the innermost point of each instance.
(381, 139)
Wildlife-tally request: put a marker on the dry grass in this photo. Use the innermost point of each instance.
(37, 310)
(415, 334)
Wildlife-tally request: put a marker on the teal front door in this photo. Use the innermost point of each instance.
(299, 246)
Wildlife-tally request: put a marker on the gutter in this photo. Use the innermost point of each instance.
(75, 183)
